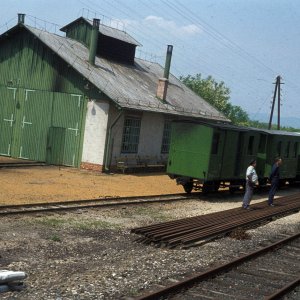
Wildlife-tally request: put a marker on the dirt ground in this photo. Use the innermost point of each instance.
(51, 183)
(91, 254)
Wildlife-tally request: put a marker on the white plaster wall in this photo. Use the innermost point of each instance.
(95, 132)
(151, 132)
(152, 127)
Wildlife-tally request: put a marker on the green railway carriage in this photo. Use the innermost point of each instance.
(207, 156)
(285, 145)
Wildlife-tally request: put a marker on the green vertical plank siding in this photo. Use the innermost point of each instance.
(73, 105)
(40, 91)
(7, 119)
(81, 31)
(55, 145)
(35, 121)
(26, 62)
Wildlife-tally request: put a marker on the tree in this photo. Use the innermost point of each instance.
(214, 93)
(218, 95)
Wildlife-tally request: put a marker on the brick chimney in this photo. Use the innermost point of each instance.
(162, 85)
(94, 41)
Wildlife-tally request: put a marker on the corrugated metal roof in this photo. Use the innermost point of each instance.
(241, 128)
(132, 87)
(109, 31)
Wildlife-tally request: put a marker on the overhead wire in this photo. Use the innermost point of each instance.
(216, 33)
(190, 16)
(183, 57)
(232, 70)
(221, 38)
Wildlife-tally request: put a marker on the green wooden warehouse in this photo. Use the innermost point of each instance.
(84, 99)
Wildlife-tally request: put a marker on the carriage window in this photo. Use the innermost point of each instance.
(215, 143)
(250, 145)
(295, 149)
(279, 148)
(262, 143)
(287, 149)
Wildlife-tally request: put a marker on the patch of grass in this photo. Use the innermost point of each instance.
(52, 222)
(96, 224)
(55, 238)
(153, 213)
(82, 224)
(134, 292)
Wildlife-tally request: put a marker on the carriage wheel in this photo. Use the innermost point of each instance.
(188, 187)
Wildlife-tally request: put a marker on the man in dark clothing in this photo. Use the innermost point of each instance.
(274, 179)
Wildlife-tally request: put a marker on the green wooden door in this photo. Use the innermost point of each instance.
(190, 150)
(26, 119)
(229, 155)
(67, 113)
(55, 145)
(34, 123)
(216, 154)
(7, 119)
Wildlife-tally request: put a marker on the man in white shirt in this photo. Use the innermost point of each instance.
(251, 180)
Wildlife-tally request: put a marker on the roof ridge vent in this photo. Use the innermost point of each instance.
(21, 18)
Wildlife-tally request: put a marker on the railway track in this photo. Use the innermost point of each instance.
(6, 210)
(268, 273)
(21, 164)
(189, 232)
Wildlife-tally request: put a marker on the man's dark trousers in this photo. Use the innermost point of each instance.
(274, 186)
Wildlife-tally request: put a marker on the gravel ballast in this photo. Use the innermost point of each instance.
(91, 254)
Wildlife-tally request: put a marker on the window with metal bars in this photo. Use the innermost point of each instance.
(165, 145)
(215, 143)
(250, 145)
(295, 149)
(131, 135)
(287, 149)
(279, 148)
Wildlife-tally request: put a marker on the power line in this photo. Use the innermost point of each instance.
(213, 32)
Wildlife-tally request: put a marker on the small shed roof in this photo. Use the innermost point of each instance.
(108, 31)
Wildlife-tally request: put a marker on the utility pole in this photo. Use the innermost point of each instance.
(276, 92)
(278, 115)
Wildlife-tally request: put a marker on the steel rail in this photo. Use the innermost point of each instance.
(232, 212)
(214, 271)
(21, 165)
(201, 228)
(235, 224)
(289, 287)
(92, 203)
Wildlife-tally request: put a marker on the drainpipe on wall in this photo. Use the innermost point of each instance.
(162, 86)
(94, 41)
(21, 18)
(108, 150)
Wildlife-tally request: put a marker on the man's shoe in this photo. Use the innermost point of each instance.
(248, 207)
(272, 204)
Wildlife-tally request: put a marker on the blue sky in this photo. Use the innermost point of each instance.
(245, 43)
